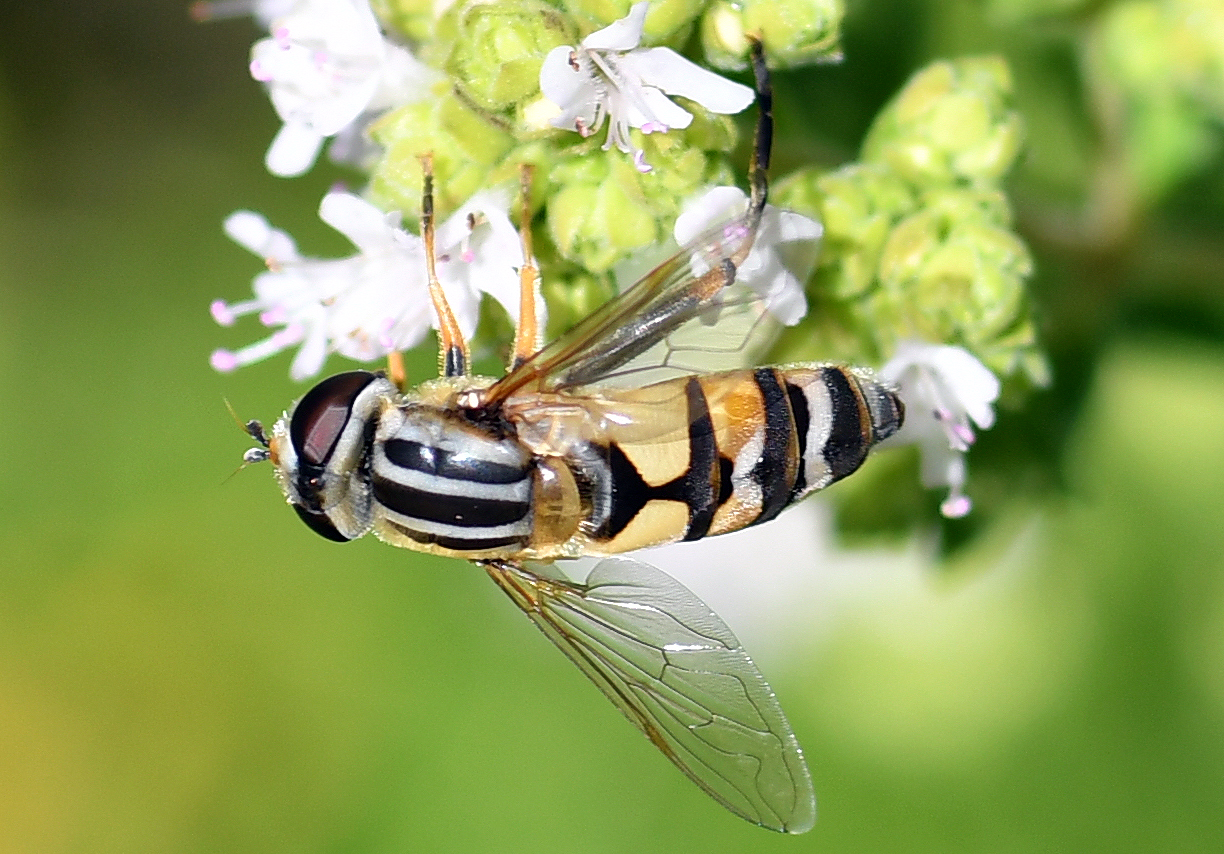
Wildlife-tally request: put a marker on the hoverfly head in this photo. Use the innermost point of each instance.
(319, 449)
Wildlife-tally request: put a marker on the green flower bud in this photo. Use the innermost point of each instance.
(499, 48)
(952, 123)
(794, 32)
(858, 205)
(602, 208)
(671, 21)
(412, 18)
(666, 20)
(949, 273)
(600, 212)
(467, 148)
(593, 15)
(573, 295)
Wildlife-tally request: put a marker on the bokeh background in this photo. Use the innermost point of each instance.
(184, 668)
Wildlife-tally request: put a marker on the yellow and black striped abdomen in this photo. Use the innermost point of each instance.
(714, 453)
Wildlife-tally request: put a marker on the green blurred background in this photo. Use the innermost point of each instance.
(184, 668)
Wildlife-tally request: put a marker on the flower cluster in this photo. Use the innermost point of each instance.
(483, 88)
(332, 72)
(375, 302)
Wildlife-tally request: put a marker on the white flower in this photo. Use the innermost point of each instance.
(377, 301)
(609, 76)
(944, 389)
(328, 69)
(783, 253)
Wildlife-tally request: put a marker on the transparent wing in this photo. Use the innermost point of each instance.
(678, 673)
(695, 286)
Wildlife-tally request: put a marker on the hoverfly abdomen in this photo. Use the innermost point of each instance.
(449, 486)
(713, 453)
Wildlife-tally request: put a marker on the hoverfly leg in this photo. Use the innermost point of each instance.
(762, 142)
(527, 334)
(396, 372)
(453, 355)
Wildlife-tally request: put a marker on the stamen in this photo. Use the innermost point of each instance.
(259, 72)
(956, 506)
(275, 316)
(287, 336)
(221, 313)
(639, 162)
(223, 361)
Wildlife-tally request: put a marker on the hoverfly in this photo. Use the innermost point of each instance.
(561, 458)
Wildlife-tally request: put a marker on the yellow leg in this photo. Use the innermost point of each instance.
(453, 355)
(396, 371)
(527, 335)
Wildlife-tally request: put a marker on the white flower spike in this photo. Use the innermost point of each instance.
(610, 77)
(782, 257)
(944, 389)
(328, 70)
(377, 301)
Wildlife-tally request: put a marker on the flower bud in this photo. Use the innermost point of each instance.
(603, 209)
(466, 147)
(952, 123)
(858, 206)
(949, 272)
(664, 21)
(499, 47)
(794, 32)
(412, 18)
(573, 297)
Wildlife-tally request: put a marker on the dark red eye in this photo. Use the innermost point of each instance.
(320, 416)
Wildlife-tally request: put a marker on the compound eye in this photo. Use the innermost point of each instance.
(320, 524)
(320, 416)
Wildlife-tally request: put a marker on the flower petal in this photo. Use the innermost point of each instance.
(659, 109)
(358, 220)
(675, 75)
(625, 34)
(294, 150)
(974, 385)
(716, 205)
(560, 82)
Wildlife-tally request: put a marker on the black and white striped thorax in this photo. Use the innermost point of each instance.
(440, 479)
